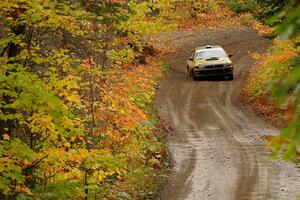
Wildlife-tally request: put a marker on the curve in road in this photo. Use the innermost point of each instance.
(216, 145)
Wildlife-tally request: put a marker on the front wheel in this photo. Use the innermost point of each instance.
(230, 77)
(194, 76)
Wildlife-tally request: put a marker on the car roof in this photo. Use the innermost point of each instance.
(208, 47)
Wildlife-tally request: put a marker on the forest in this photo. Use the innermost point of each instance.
(78, 81)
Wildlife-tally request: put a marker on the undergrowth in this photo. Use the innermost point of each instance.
(271, 91)
(269, 68)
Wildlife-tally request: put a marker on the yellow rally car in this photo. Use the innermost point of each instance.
(210, 60)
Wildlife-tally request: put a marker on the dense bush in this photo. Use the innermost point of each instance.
(192, 8)
(275, 65)
(269, 8)
(275, 80)
(239, 6)
(278, 74)
(207, 6)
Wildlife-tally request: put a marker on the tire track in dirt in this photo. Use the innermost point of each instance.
(216, 145)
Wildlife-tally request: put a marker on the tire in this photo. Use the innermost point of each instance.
(193, 75)
(230, 77)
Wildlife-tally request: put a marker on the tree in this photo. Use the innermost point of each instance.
(66, 66)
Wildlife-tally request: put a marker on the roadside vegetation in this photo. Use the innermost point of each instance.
(76, 116)
(273, 87)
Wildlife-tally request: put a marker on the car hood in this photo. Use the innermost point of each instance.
(213, 62)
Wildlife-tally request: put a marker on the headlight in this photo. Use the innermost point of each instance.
(198, 67)
(228, 65)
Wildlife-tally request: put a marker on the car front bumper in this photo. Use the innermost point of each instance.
(204, 72)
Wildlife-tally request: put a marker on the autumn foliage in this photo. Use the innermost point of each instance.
(77, 84)
(272, 92)
(76, 116)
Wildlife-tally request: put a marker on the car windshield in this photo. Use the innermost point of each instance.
(212, 53)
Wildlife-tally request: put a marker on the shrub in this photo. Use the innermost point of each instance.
(276, 65)
(274, 88)
(239, 6)
(246, 19)
(206, 6)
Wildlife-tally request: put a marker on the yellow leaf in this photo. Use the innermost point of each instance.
(67, 144)
(23, 189)
(73, 138)
(6, 137)
(27, 163)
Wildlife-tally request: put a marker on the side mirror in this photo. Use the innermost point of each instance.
(230, 55)
(191, 59)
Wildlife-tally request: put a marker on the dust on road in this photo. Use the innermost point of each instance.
(216, 145)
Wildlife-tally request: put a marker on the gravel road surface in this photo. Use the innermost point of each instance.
(216, 145)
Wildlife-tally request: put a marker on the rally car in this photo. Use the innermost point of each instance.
(208, 61)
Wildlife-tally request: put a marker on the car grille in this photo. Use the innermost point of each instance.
(214, 66)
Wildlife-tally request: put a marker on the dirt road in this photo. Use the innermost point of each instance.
(216, 145)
